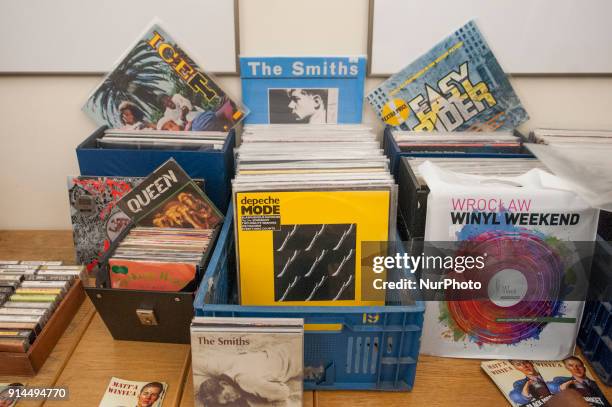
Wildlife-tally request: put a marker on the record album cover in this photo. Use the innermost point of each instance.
(572, 373)
(527, 383)
(307, 250)
(247, 362)
(186, 209)
(457, 85)
(156, 85)
(150, 275)
(308, 90)
(122, 392)
(519, 381)
(169, 198)
(96, 220)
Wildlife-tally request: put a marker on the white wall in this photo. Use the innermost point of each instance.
(41, 122)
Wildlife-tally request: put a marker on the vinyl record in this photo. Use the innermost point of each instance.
(523, 278)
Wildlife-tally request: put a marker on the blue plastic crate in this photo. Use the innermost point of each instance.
(350, 348)
(216, 167)
(595, 336)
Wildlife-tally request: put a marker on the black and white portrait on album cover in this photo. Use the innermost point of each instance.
(303, 105)
(242, 369)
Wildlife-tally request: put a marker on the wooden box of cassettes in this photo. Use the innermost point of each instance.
(28, 363)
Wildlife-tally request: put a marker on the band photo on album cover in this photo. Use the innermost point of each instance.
(303, 105)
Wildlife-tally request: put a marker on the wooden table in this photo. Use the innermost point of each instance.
(86, 357)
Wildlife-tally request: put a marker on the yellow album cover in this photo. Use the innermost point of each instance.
(304, 247)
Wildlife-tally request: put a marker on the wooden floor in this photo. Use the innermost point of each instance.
(86, 357)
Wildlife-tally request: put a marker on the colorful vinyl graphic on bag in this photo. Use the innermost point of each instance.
(523, 276)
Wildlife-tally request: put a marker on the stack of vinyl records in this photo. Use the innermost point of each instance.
(571, 137)
(581, 157)
(505, 167)
(455, 142)
(162, 140)
(159, 259)
(305, 198)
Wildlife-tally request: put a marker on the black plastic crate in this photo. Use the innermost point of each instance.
(595, 336)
